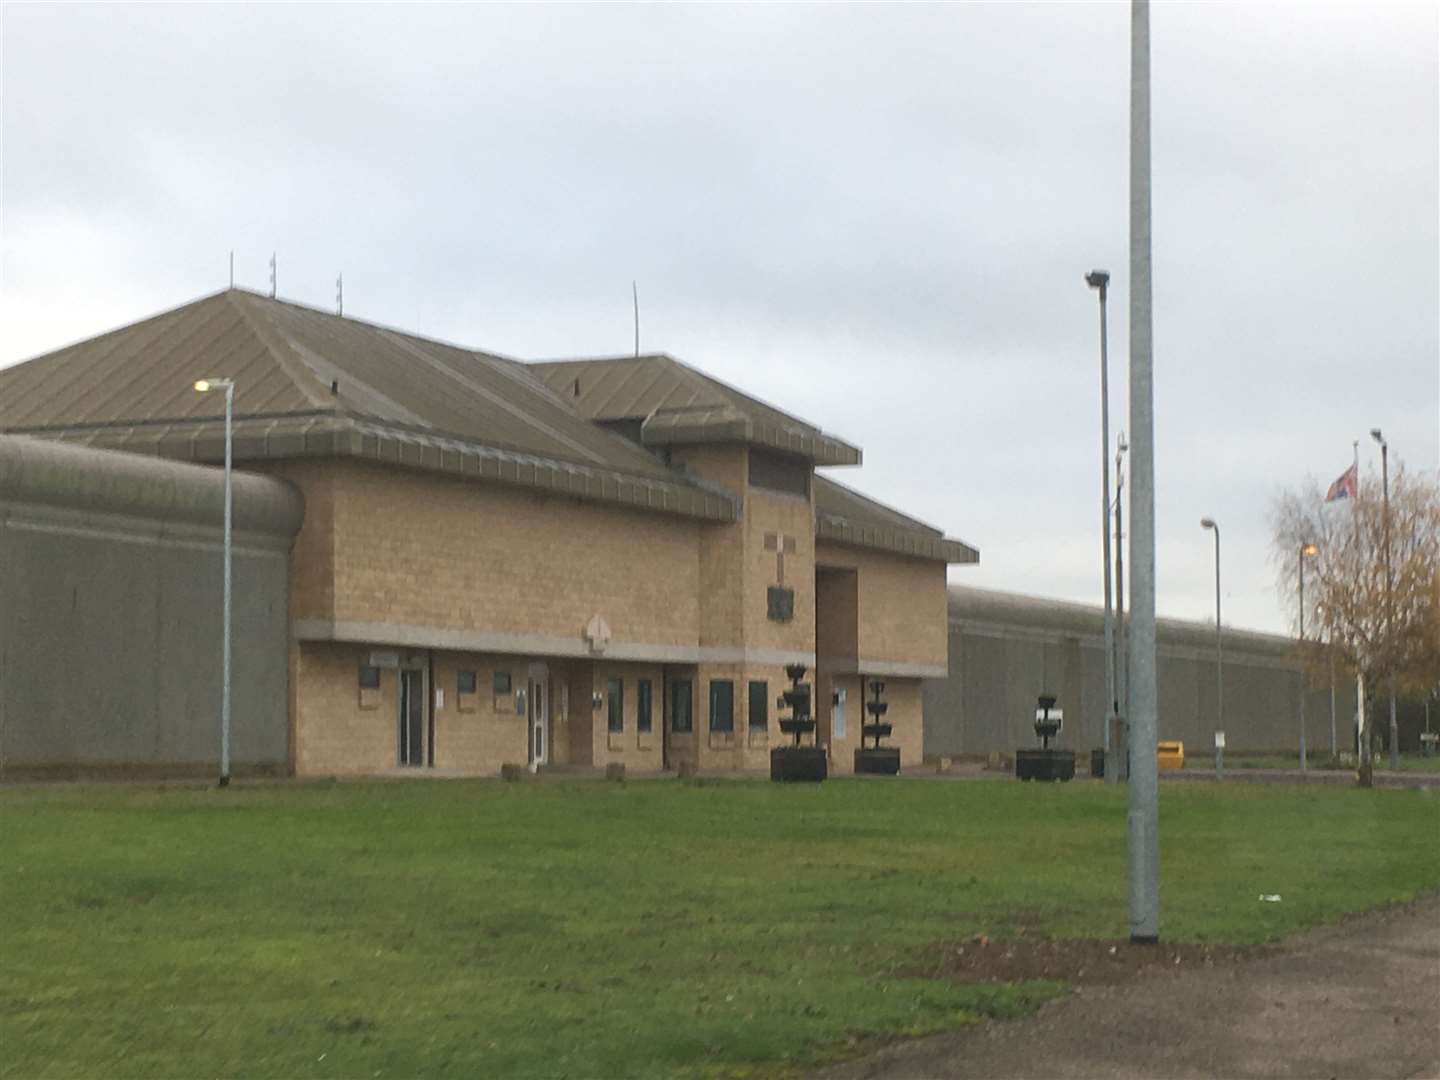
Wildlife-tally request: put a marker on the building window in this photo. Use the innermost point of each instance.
(465, 682)
(642, 706)
(759, 706)
(779, 472)
(615, 704)
(369, 677)
(682, 720)
(502, 682)
(722, 705)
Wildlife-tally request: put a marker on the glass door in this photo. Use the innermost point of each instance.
(412, 716)
(539, 713)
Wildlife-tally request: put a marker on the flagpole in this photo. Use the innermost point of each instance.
(1360, 676)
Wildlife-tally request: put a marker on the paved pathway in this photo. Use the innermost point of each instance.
(1360, 999)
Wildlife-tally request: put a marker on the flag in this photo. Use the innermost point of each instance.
(1344, 486)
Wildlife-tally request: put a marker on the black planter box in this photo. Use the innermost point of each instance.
(797, 763)
(1045, 764)
(881, 761)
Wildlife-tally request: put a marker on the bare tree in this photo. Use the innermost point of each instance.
(1366, 627)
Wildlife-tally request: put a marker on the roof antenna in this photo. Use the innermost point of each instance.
(272, 275)
(232, 268)
(340, 296)
(635, 295)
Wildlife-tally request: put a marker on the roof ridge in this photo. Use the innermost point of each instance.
(283, 352)
(353, 320)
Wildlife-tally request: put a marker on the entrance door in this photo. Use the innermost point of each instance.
(539, 713)
(412, 716)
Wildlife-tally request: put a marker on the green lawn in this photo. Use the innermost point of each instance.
(596, 929)
(1316, 759)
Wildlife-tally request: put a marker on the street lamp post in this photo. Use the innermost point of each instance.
(1143, 803)
(1209, 523)
(1389, 602)
(1100, 280)
(1306, 550)
(205, 386)
(1122, 670)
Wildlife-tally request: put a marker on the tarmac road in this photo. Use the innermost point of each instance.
(1357, 999)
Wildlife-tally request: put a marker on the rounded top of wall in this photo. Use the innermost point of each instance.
(85, 479)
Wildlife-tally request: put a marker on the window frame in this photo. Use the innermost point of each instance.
(644, 723)
(689, 699)
(763, 689)
(729, 686)
(615, 706)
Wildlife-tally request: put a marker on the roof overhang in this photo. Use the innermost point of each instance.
(914, 543)
(724, 423)
(326, 434)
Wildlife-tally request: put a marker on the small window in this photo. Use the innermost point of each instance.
(779, 472)
(681, 718)
(369, 677)
(615, 704)
(722, 705)
(465, 682)
(759, 706)
(642, 706)
(502, 682)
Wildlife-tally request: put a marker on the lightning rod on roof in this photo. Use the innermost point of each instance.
(635, 296)
(232, 268)
(340, 295)
(272, 275)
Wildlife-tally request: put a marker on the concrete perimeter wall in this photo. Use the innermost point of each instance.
(110, 613)
(1005, 650)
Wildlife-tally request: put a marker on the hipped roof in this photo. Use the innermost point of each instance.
(312, 383)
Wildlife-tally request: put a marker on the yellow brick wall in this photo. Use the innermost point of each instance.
(312, 559)
(482, 734)
(723, 582)
(902, 604)
(334, 734)
(629, 747)
(904, 714)
(390, 545)
(779, 515)
(429, 550)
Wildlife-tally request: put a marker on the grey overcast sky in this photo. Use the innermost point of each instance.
(876, 217)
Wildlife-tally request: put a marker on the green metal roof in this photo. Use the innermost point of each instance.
(844, 516)
(680, 404)
(312, 383)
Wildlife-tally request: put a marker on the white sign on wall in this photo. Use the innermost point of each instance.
(1219, 740)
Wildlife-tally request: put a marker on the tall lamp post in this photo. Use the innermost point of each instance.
(1306, 550)
(204, 386)
(1122, 670)
(1209, 523)
(1100, 280)
(1389, 612)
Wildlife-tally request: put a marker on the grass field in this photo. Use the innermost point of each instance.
(650, 928)
(1315, 760)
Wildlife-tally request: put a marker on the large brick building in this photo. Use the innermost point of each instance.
(579, 562)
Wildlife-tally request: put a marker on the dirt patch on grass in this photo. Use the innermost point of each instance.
(1081, 962)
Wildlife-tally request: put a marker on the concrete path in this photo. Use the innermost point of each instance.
(1359, 999)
